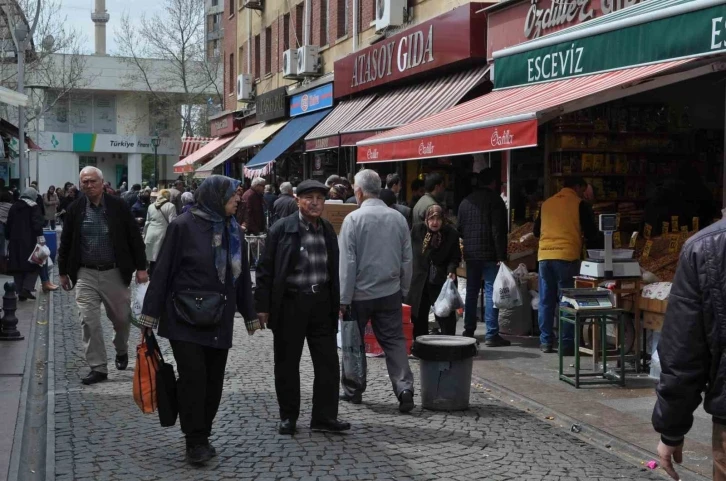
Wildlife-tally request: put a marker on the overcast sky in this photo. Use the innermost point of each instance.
(78, 13)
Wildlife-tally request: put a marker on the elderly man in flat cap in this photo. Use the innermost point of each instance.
(298, 297)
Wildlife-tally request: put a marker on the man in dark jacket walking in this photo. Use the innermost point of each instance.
(100, 249)
(253, 209)
(298, 297)
(483, 228)
(285, 205)
(691, 348)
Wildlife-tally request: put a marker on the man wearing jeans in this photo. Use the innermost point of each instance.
(483, 227)
(564, 219)
(375, 275)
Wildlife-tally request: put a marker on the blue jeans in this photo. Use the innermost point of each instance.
(553, 276)
(476, 271)
(44, 273)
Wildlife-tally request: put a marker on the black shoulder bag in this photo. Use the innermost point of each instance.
(199, 308)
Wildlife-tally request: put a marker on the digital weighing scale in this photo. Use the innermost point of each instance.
(582, 299)
(608, 267)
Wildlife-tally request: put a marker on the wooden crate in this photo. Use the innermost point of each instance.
(653, 320)
(653, 305)
(335, 213)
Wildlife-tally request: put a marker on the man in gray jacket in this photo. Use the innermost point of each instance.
(375, 275)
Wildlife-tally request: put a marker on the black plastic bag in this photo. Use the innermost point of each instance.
(166, 401)
(353, 373)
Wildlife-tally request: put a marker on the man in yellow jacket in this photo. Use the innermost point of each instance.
(563, 221)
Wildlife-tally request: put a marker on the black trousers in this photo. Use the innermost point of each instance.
(306, 316)
(447, 325)
(199, 388)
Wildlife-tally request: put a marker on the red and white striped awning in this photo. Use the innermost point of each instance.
(325, 134)
(408, 104)
(187, 163)
(501, 120)
(192, 144)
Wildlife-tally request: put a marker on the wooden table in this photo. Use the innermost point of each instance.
(629, 286)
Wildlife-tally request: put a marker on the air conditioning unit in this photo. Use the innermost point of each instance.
(289, 64)
(244, 87)
(253, 4)
(390, 13)
(308, 61)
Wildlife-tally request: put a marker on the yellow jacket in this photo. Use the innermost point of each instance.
(560, 226)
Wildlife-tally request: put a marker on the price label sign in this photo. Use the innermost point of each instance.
(616, 240)
(646, 250)
(695, 224)
(633, 239)
(647, 231)
(666, 228)
(674, 223)
(617, 220)
(673, 244)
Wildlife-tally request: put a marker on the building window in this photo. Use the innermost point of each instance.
(215, 3)
(241, 60)
(324, 5)
(299, 9)
(257, 57)
(215, 48)
(231, 7)
(342, 19)
(268, 50)
(230, 73)
(86, 161)
(286, 32)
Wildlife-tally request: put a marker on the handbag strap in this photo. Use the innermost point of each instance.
(152, 346)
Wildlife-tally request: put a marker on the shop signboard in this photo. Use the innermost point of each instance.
(85, 142)
(272, 105)
(700, 32)
(521, 21)
(453, 37)
(486, 139)
(315, 99)
(224, 125)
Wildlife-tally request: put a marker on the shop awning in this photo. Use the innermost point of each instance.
(187, 163)
(295, 129)
(192, 144)
(501, 120)
(408, 104)
(259, 136)
(325, 134)
(228, 152)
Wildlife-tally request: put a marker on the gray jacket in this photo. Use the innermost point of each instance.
(375, 253)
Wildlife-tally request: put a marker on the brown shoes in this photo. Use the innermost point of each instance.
(49, 287)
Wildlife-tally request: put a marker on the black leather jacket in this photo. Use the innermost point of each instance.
(692, 342)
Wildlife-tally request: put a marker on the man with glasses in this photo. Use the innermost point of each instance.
(100, 249)
(297, 296)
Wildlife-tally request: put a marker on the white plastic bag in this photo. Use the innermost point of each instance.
(138, 292)
(506, 294)
(39, 255)
(520, 272)
(448, 301)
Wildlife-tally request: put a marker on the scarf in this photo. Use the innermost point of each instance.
(211, 197)
(433, 239)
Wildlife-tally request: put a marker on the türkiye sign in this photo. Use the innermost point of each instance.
(700, 32)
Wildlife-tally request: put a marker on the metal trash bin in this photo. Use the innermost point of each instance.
(446, 365)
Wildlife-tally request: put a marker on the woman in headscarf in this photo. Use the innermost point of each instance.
(158, 217)
(201, 262)
(187, 199)
(24, 230)
(436, 255)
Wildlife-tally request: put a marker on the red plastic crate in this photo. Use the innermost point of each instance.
(371, 343)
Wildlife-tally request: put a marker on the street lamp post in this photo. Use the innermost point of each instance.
(21, 36)
(155, 142)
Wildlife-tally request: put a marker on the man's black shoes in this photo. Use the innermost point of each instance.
(287, 426)
(354, 399)
(329, 425)
(406, 401)
(94, 377)
(122, 362)
(497, 341)
(199, 454)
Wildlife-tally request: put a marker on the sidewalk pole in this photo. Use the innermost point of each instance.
(8, 324)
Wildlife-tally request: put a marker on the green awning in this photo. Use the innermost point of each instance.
(650, 32)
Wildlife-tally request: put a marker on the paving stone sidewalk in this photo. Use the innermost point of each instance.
(101, 434)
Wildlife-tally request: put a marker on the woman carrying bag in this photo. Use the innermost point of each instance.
(200, 279)
(436, 255)
(158, 218)
(24, 230)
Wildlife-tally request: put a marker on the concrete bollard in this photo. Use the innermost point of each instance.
(9, 323)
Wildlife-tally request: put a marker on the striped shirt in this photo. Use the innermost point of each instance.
(312, 265)
(96, 245)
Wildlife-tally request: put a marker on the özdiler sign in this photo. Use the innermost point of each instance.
(450, 38)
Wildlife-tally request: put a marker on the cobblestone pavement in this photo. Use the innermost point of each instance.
(101, 435)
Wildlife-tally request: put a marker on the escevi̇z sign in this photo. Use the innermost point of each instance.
(701, 32)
